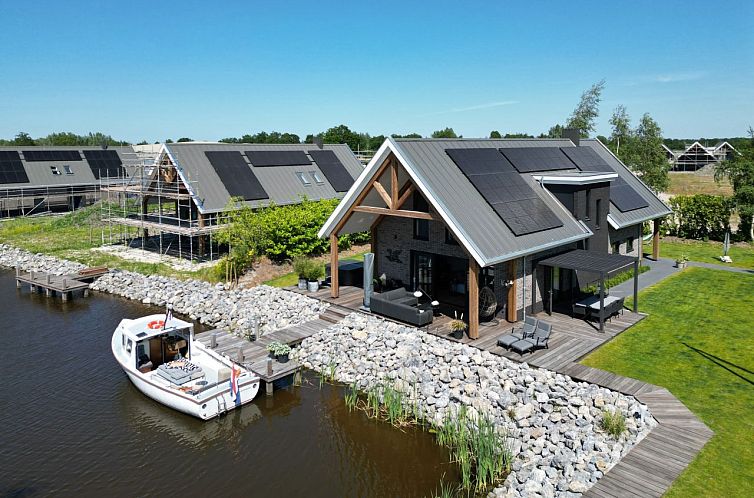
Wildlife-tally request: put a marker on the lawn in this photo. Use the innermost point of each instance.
(692, 183)
(71, 236)
(697, 342)
(706, 252)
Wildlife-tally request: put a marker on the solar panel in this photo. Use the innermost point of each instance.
(509, 195)
(587, 159)
(337, 174)
(531, 159)
(237, 177)
(105, 163)
(52, 155)
(11, 168)
(625, 197)
(260, 158)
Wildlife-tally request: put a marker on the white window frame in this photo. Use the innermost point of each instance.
(317, 178)
(303, 179)
(67, 169)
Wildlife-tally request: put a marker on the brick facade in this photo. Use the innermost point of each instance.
(622, 238)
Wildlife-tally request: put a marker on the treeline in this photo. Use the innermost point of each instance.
(91, 139)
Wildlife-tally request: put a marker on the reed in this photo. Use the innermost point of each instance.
(614, 423)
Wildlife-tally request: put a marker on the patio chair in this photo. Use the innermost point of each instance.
(579, 311)
(537, 340)
(517, 334)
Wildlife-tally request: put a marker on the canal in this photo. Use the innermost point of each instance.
(72, 424)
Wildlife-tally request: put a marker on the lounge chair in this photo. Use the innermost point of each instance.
(517, 334)
(538, 340)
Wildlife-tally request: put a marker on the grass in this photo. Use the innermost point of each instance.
(742, 254)
(697, 342)
(291, 279)
(692, 183)
(73, 235)
(614, 423)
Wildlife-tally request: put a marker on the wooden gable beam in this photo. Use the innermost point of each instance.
(383, 193)
(361, 196)
(401, 213)
(404, 196)
(394, 183)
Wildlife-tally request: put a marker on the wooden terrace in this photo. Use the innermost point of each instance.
(571, 339)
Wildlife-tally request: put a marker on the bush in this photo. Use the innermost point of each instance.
(700, 216)
(614, 423)
(301, 265)
(314, 271)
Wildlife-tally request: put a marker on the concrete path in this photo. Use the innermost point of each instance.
(713, 266)
(659, 270)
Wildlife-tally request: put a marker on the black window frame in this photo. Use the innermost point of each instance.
(597, 216)
(421, 227)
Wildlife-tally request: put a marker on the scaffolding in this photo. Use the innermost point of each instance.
(32, 201)
(154, 209)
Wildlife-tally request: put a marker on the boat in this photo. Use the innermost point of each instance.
(159, 355)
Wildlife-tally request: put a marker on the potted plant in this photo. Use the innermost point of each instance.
(681, 261)
(301, 265)
(279, 351)
(314, 272)
(457, 327)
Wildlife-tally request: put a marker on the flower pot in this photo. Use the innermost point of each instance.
(313, 285)
(457, 334)
(301, 283)
(272, 355)
(283, 358)
(680, 264)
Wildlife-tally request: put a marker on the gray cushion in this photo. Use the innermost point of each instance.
(522, 346)
(508, 339)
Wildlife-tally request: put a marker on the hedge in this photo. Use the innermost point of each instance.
(700, 216)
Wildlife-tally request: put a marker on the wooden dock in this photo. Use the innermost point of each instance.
(64, 285)
(254, 355)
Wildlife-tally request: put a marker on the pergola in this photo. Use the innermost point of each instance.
(602, 264)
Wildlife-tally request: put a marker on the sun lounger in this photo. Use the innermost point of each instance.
(528, 329)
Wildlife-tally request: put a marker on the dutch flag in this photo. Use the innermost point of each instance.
(235, 372)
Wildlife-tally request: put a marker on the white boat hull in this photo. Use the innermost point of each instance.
(209, 402)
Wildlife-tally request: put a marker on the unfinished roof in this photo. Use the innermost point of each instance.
(268, 173)
(473, 220)
(60, 166)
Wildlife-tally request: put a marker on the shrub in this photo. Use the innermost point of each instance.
(314, 271)
(614, 423)
(700, 216)
(301, 265)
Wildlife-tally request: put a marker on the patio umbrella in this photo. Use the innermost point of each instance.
(726, 243)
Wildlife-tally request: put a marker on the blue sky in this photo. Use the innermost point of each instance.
(207, 70)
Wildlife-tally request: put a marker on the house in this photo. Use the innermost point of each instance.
(453, 218)
(37, 179)
(696, 156)
(176, 203)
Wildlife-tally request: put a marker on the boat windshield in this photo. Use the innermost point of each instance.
(154, 351)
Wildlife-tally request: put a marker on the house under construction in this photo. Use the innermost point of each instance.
(177, 204)
(36, 180)
(697, 156)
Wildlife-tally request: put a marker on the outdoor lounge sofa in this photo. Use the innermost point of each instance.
(400, 304)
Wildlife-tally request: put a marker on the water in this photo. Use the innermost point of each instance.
(72, 423)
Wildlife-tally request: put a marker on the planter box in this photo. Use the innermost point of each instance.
(680, 265)
(313, 286)
(283, 358)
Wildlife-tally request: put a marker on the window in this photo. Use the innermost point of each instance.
(487, 277)
(449, 239)
(616, 247)
(67, 169)
(597, 214)
(630, 245)
(588, 204)
(421, 227)
(316, 177)
(303, 179)
(55, 170)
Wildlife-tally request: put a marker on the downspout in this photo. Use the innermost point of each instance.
(524, 285)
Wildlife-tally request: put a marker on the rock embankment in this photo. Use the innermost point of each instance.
(212, 305)
(552, 422)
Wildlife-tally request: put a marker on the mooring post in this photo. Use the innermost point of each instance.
(86, 292)
(268, 388)
(213, 340)
(18, 269)
(65, 283)
(48, 278)
(64, 295)
(239, 355)
(269, 367)
(48, 292)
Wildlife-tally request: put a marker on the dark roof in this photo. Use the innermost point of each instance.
(589, 261)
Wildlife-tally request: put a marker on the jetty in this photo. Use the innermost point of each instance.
(253, 355)
(63, 285)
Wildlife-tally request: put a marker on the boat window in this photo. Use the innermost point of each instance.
(129, 346)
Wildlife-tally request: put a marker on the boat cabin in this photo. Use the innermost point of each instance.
(150, 345)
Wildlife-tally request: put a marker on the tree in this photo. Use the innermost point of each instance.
(445, 133)
(143, 142)
(495, 134)
(518, 135)
(168, 141)
(23, 138)
(410, 135)
(184, 139)
(342, 134)
(584, 116)
(376, 141)
(621, 132)
(643, 153)
(554, 132)
(739, 171)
